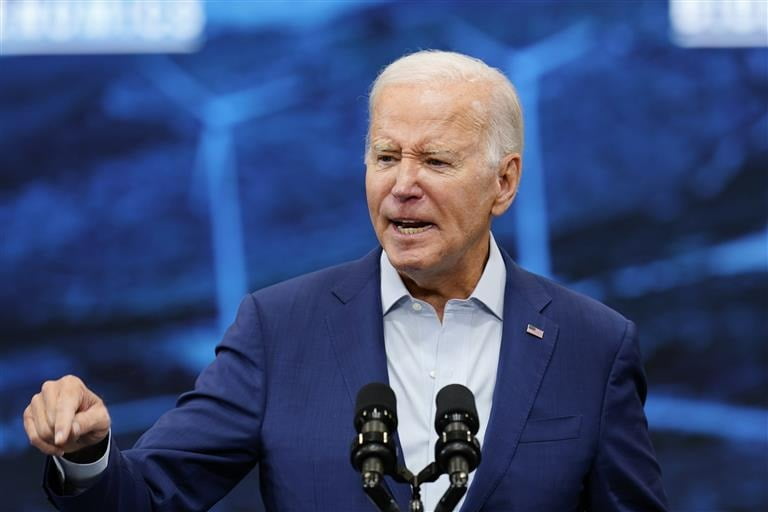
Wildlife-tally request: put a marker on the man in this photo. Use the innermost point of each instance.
(557, 376)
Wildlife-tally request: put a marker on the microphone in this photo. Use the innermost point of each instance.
(457, 451)
(373, 451)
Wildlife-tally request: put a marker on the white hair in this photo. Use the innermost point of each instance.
(504, 129)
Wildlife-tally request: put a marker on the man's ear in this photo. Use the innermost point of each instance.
(508, 174)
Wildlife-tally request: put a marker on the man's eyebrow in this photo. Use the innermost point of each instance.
(438, 152)
(432, 151)
(384, 146)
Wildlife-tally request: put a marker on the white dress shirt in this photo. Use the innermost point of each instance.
(424, 355)
(81, 476)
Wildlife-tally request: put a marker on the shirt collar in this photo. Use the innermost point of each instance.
(392, 287)
(489, 290)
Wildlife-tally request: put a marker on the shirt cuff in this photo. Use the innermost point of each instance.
(81, 476)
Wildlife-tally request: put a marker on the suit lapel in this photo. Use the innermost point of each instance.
(357, 335)
(356, 329)
(523, 361)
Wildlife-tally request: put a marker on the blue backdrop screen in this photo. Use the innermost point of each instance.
(144, 191)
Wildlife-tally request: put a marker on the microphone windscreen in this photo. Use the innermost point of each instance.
(377, 395)
(455, 398)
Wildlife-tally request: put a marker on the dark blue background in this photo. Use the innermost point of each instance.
(142, 195)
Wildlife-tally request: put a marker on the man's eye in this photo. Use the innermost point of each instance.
(385, 159)
(434, 162)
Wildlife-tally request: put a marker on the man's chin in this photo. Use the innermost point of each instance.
(409, 261)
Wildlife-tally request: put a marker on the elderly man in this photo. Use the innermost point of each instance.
(557, 376)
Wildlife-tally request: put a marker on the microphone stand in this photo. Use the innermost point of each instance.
(449, 499)
(374, 487)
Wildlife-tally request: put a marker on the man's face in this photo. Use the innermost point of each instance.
(431, 193)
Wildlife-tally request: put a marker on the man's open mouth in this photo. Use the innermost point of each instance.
(411, 227)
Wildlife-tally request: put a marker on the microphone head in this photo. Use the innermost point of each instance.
(379, 397)
(452, 400)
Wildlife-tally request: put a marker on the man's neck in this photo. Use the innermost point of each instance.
(437, 290)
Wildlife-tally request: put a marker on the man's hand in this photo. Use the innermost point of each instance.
(65, 416)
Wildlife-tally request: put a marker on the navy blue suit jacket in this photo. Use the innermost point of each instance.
(567, 430)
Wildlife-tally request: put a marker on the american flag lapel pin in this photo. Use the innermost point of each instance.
(534, 331)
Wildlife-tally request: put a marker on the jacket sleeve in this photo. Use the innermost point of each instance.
(625, 475)
(196, 452)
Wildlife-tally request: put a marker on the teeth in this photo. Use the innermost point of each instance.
(412, 231)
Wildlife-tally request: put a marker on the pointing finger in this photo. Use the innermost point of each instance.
(50, 395)
(38, 416)
(67, 406)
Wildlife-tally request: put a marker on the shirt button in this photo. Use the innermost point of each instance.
(432, 374)
(416, 306)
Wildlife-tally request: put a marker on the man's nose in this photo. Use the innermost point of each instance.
(407, 183)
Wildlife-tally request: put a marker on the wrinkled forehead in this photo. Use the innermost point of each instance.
(442, 99)
(463, 105)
